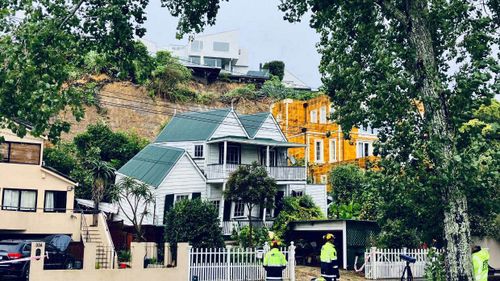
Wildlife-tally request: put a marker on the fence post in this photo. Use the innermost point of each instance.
(189, 259)
(291, 261)
(228, 266)
(167, 254)
(373, 257)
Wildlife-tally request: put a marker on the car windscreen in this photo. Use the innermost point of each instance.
(8, 247)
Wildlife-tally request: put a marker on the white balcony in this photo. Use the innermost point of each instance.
(229, 226)
(282, 173)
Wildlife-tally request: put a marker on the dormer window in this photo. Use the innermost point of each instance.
(20, 153)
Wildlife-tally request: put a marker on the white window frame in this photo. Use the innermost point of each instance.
(360, 149)
(176, 196)
(322, 115)
(321, 152)
(314, 116)
(233, 213)
(333, 150)
(202, 151)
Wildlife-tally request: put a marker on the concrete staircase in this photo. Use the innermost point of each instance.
(106, 256)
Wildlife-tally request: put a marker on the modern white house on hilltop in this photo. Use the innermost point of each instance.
(221, 50)
(195, 154)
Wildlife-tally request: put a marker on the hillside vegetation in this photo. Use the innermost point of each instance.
(145, 97)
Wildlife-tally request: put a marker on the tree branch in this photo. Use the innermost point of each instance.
(72, 13)
(392, 11)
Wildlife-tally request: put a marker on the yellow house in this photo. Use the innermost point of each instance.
(308, 122)
(34, 200)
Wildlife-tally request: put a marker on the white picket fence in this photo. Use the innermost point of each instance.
(235, 264)
(386, 263)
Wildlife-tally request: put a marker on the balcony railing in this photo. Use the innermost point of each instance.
(229, 226)
(216, 171)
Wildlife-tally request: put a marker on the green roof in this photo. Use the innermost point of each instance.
(253, 122)
(152, 164)
(192, 126)
(256, 141)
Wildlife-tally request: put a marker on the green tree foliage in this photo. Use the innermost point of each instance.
(136, 198)
(252, 186)
(295, 209)
(354, 192)
(115, 147)
(166, 78)
(43, 52)
(276, 68)
(97, 146)
(417, 69)
(346, 182)
(194, 221)
(345, 211)
(410, 208)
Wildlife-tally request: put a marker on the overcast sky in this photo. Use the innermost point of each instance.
(263, 32)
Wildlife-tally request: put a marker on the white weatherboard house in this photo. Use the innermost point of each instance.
(196, 152)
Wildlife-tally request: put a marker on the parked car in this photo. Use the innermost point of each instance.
(56, 256)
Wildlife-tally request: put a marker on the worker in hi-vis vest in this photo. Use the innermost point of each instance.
(329, 262)
(274, 263)
(480, 258)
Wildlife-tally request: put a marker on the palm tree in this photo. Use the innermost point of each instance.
(102, 173)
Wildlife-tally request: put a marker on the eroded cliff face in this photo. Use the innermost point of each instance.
(128, 107)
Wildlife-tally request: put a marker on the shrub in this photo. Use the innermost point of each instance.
(205, 97)
(166, 78)
(434, 269)
(246, 92)
(295, 209)
(259, 236)
(193, 221)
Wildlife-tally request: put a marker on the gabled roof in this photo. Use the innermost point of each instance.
(253, 122)
(152, 164)
(59, 174)
(192, 126)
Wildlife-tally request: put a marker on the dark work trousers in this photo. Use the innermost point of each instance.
(330, 270)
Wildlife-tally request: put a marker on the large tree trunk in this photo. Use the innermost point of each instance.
(456, 223)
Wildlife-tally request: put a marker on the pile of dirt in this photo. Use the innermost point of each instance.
(306, 273)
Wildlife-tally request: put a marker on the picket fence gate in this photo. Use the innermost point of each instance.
(386, 263)
(234, 263)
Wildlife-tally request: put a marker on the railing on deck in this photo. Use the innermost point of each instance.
(229, 226)
(216, 171)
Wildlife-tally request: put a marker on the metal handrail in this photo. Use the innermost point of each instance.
(84, 227)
